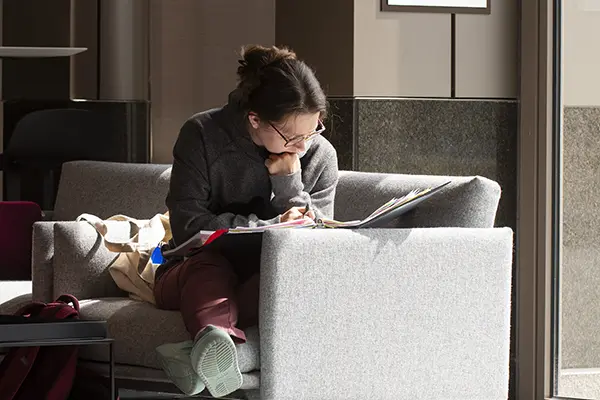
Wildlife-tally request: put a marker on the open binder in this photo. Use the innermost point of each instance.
(378, 218)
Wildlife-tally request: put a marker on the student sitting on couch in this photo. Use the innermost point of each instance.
(258, 160)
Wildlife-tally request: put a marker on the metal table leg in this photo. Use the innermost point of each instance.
(111, 372)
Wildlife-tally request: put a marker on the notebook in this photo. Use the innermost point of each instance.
(386, 213)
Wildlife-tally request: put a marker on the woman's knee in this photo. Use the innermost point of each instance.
(207, 259)
(206, 267)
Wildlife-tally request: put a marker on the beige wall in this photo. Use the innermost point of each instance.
(84, 33)
(400, 54)
(581, 53)
(194, 47)
(123, 50)
(486, 52)
(409, 54)
(357, 50)
(328, 49)
(36, 23)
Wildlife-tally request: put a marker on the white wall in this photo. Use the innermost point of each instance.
(194, 48)
(581, 53)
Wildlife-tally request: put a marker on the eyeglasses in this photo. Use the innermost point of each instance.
(300, 138)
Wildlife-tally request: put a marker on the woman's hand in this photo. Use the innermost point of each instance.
(283, 164)
(295, 213)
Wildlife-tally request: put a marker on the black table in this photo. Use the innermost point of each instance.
(71, 333)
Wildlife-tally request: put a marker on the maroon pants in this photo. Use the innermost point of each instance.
(209, 289)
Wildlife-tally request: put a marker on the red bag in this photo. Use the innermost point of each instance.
(41, 372)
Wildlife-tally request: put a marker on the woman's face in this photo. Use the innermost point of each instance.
(292, 129)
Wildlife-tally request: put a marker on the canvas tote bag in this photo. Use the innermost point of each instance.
(133, 270)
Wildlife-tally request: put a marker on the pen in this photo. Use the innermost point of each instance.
(306, 209)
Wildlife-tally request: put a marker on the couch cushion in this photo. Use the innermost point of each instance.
(139, 327)
(109, 188)
(13, 305)
(14, 291)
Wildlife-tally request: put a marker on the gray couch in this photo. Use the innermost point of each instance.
(421, 311)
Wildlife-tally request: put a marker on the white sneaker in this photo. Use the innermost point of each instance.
(175, 361)
(214, 358)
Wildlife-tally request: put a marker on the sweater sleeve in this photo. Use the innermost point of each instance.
(189, 190)
(289, 191)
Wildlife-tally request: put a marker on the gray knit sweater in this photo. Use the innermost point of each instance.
(219, 179)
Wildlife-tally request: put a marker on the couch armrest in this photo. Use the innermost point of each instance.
(70, 257)
(41, 261)
(382, 313)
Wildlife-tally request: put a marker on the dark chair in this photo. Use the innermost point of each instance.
(43, 140)
(16, 230)
(32, 161)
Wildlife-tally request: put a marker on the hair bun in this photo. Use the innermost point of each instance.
(273, 83)
(256, 57)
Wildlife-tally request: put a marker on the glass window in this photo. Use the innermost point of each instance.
(577, 201)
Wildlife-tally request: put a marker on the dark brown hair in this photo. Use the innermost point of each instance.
(273, 83)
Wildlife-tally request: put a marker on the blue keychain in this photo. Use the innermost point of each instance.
(156, 257)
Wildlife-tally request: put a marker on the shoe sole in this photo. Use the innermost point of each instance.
(186, 382)
(217, 364)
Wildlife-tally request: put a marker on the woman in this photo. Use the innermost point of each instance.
(258, 160)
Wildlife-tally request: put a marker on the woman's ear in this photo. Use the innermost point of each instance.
(254, 120)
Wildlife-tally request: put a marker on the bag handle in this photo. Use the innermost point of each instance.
(32, 308)
(69, 299)
(102, 228)
(144, 234)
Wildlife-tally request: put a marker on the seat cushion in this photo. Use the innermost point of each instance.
(139, 327)
(14, 295)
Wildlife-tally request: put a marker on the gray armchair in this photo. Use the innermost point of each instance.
(419, 311)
